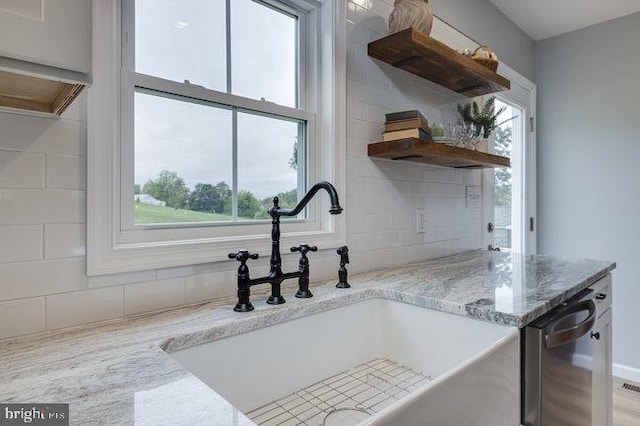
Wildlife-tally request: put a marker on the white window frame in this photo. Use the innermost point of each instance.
(114, 247)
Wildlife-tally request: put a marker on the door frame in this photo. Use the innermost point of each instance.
(528, 230)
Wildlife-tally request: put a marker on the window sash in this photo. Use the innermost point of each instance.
(196, 94)
(132, 80)
(110, 249)
(305, 38)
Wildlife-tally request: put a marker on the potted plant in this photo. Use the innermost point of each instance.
(483, 120)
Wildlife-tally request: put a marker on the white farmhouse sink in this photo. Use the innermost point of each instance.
(474, 364)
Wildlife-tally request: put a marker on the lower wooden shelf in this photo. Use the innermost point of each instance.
(439, 154)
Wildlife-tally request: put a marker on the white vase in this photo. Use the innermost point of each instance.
(411, 13)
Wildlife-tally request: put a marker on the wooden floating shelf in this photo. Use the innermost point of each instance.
(40, 95)
(439, 154)
(426, 57)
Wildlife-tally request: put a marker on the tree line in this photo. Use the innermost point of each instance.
(210, 198)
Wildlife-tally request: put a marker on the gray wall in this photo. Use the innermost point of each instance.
(483, 22)
(588, 160)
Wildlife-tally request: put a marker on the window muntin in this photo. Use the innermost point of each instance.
(181, 122)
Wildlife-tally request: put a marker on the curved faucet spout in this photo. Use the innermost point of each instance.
(335, 208)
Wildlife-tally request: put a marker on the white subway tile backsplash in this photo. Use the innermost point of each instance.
(201, 288)
(42, 204)
(357, 147)
(38, 278)
(382, 9)
(66, 171)
(357, 110)
(376, 77)
(64, 240)
(358, 35)
(376, 186)
(362, 224)
(435, 190)
(363, 130)
(366, 94)
(153, 295)
(22, 316)
(376, 241)
(37, 134)
(26, 206)
(357, 185)
(367, 204)
(122, 278)
(81, 307)
(20, 243)
(21, 169)
(356, 68)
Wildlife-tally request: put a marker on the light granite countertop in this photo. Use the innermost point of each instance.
(117, 372)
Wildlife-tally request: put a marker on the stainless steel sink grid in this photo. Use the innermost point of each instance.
(342, 399)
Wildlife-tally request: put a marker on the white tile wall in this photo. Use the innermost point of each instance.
(64, 240)
(22, 316)
(153, 295)
(42, 205)
(22, 206)
(199, 288)
(67, 309)
(20, 243)
(39, 278)
(21, 169)
(66, 171)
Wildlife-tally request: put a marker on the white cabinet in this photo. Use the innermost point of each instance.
(602, 366)
(50, 32)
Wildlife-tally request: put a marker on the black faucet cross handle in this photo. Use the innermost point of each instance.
(344, 255)
(243, 255)
(303, 249)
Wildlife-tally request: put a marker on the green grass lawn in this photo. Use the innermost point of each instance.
(148, 213)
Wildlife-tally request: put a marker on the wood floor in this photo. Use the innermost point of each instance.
(626, 404)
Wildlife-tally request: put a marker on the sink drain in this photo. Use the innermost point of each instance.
(345, 417)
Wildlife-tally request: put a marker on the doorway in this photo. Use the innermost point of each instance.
(509, 194)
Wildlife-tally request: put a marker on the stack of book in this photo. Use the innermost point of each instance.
(406, 124)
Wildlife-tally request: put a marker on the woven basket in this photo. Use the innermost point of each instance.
(486, 57)
(492, 64)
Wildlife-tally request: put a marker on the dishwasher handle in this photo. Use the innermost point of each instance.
(571, 334)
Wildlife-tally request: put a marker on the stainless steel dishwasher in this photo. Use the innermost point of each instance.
(557, 379)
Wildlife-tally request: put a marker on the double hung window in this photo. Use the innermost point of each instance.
(201, 112)
(215, 115)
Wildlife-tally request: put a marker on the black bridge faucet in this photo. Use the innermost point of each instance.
(276, 276)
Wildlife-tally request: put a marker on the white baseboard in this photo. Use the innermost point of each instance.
(627, 373)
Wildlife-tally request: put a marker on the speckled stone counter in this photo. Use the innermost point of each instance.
(118, 372)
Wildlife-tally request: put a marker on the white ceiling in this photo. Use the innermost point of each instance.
(547, 18)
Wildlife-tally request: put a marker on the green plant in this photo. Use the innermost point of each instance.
(437, 131)
(484, 120)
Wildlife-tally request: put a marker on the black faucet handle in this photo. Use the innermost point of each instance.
(243, 255)
(344, 255)
(303, 249)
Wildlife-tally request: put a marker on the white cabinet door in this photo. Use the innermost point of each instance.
(49, 32)
(602, 387)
